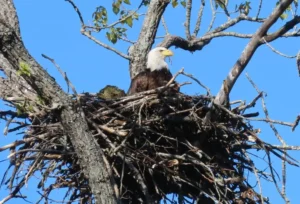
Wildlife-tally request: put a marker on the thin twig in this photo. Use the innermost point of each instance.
(174, 77)
(296, 123)
(259, 8)
(7, 126)
(165, 25)
(196, 80)
(49, 151)
(281, 192)
(87, 33)
(127, 40)
(199, 19)
(298, 62)
(267, 119)
(283, 163)
(276, 51)
(64, 74)
(77, 11)
(256, 175)
(214, 15)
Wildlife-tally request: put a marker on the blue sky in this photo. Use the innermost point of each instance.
(52, 28)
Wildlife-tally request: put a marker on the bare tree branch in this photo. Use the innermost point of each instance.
(279, 137)
(199, 18)
(250, 50)
(199, 43)
(259, 8)
(283, 30)
(69, 83)
(88, 34)
(171, 40)
(214, 14)
(298, 62)
(131, 14)
(187, 23)
(165, 25)
(276, 51)
(234, 21)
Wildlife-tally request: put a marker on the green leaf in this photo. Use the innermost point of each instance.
(246, 11)
(126, 2)
(20, 109)
(244, 7)
(24, 69)
(100, 16)
(108, 36)
(146, 2)
(116, 9)
(104, 12)
(174, 3)
(247, 8)
(128, 21)
(135, 16)
(114, 37)
(116, 6)
(183, 3)
(121, 30)
(283, 16)
(221, 3)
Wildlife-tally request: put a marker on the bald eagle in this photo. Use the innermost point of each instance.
(157, 73)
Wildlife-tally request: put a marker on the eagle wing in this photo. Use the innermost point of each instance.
(159, 78)
(139, 83)
(148, 80)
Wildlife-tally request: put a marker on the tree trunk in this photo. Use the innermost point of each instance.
(37, 85)
(138, 52)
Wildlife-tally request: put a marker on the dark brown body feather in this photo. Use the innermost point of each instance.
(149, 80)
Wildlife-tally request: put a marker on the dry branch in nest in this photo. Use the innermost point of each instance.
(154, 144)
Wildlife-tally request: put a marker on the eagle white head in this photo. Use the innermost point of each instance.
(156, 58)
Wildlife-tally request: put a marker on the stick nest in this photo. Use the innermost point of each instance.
(154, 145)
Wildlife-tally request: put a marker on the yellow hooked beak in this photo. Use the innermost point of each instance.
(167, 53)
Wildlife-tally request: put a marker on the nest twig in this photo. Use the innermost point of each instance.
(154, 145)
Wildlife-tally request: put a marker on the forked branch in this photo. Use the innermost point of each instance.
(88, 33)
(250, 49)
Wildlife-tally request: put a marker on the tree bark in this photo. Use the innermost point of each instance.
(38, 85)
(138, 52)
